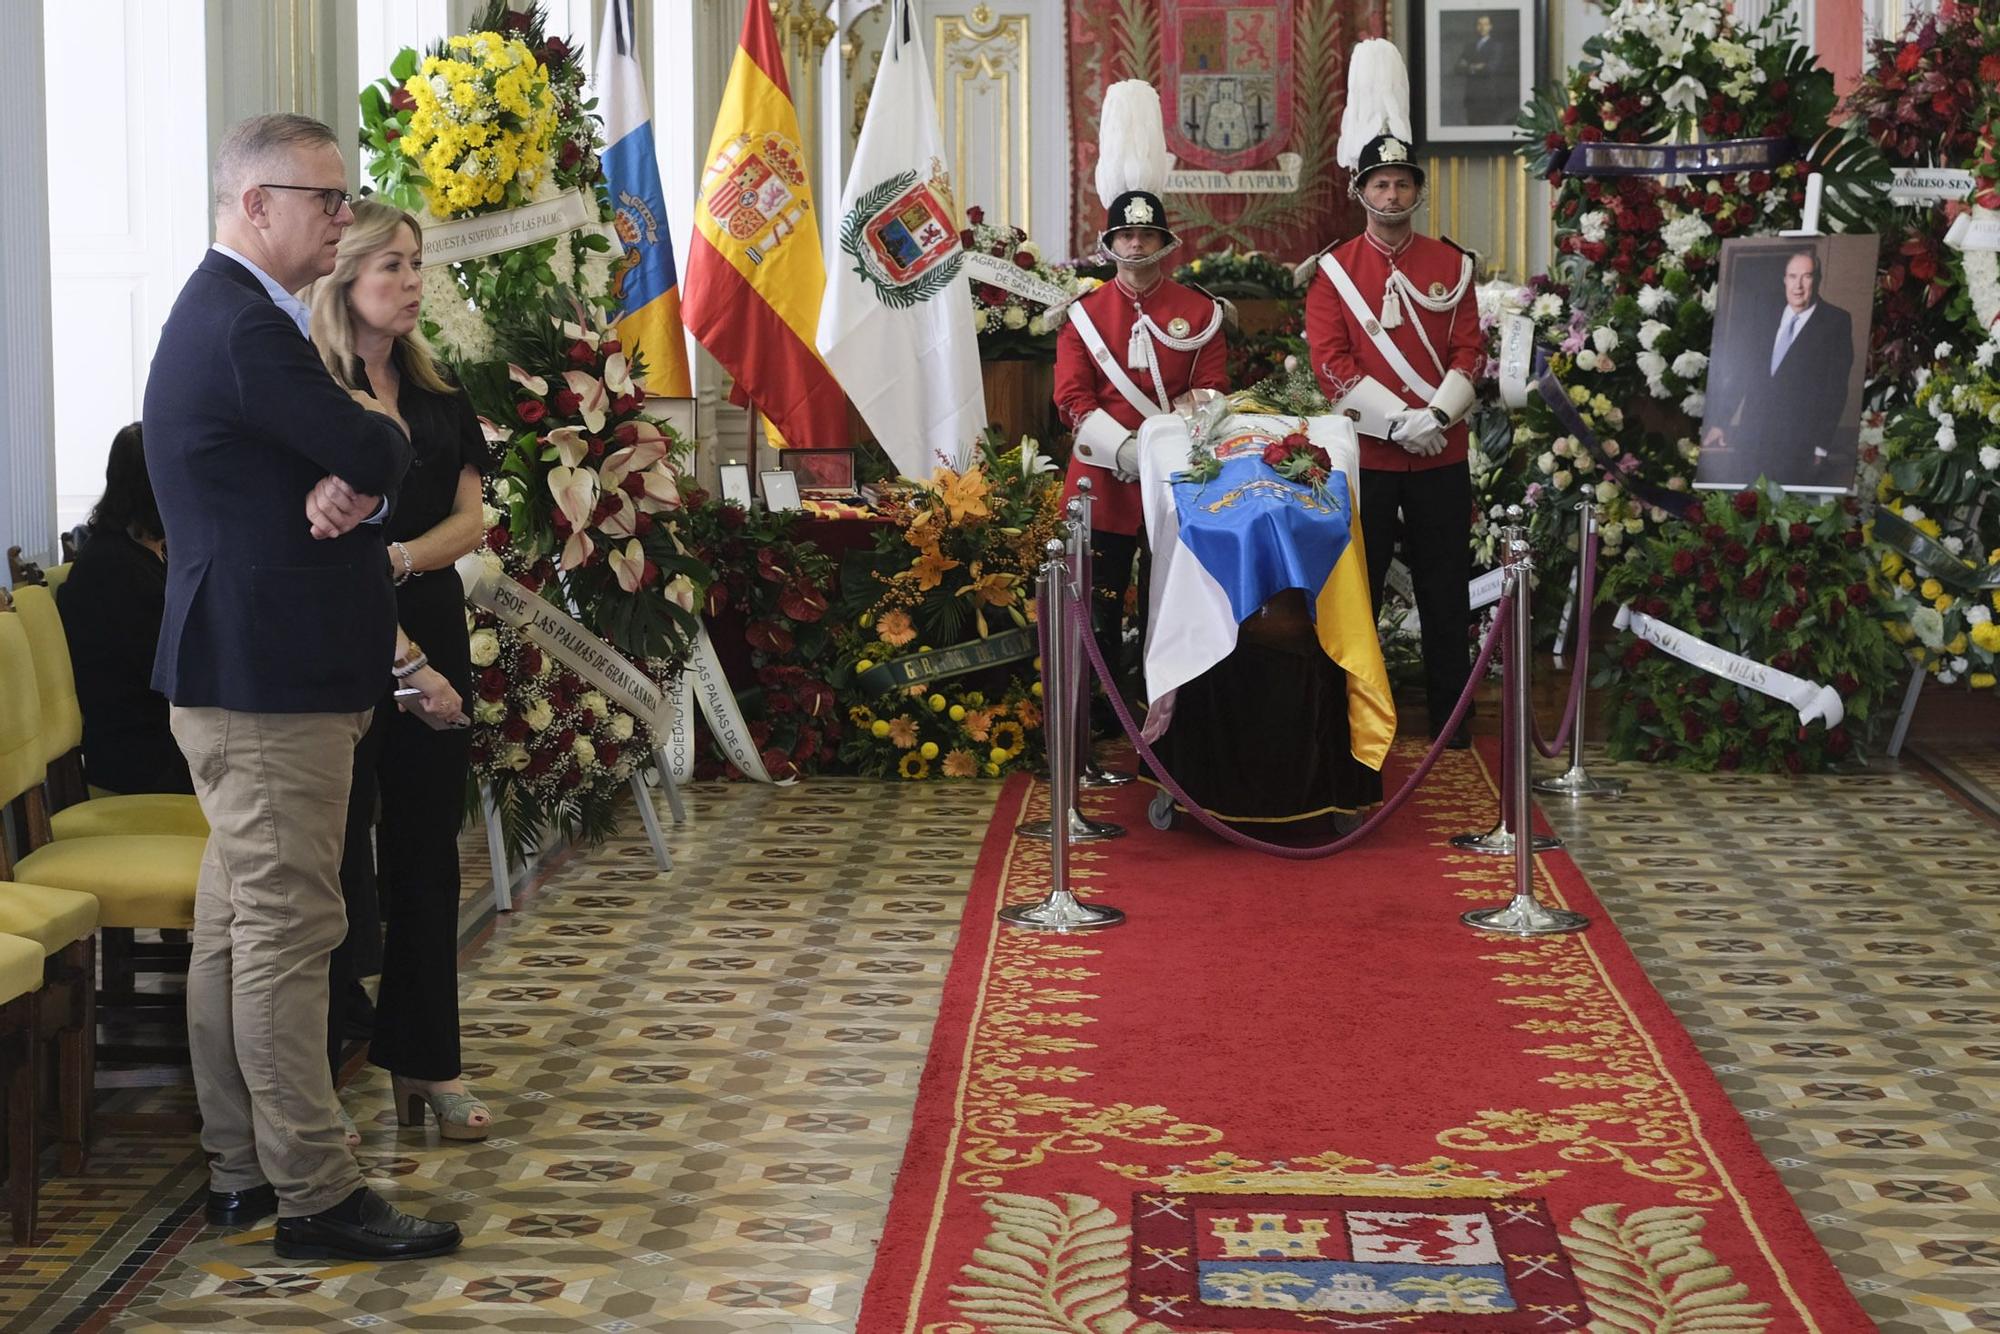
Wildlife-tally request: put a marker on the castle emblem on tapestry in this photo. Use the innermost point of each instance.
(1228, 81)
(755, 191)
(902, 238)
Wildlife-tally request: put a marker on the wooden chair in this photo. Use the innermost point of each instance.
(139, 881)
(20, 983)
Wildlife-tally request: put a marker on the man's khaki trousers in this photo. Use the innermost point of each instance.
(268, 912)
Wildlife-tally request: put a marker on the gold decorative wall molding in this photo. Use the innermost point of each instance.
(985, 93)
(1482, 204)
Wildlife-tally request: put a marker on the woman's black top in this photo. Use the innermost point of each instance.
(445, 435)
(111, 606)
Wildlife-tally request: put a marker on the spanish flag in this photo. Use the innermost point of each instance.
(755, 276)
(649, 316)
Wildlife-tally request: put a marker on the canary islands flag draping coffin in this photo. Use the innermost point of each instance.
(649, 315)
(1221, 549)
(895, 325)
(754, 276)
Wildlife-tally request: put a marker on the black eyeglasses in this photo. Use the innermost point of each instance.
(330, 200)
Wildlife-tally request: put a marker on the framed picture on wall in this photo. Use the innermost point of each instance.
(1473, 66)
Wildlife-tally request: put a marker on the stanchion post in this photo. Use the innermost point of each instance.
(1499, 841)
(1523, 916)
(1088, 772)
(1060, 911)
(1576, 780)
(1073, 551)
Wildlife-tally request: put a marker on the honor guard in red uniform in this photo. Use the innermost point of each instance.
(1131, 347)
(1392, 325)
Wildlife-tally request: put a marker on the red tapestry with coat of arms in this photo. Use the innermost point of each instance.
(1241, 83)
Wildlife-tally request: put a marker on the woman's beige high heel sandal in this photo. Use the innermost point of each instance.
(459, 1115)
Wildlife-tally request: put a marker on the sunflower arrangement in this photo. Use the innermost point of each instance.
(956, 565)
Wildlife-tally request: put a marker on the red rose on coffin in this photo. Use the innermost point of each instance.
(1276, 453)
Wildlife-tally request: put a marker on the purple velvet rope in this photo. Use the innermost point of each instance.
(1586, 598)
(1388, 807)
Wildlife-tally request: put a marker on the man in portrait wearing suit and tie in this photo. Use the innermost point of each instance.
(1487, 76)
(278, 638)
(1775, 401)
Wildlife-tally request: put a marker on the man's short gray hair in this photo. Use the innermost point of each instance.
(247, 151)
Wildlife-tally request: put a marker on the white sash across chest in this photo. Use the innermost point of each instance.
(1101, 354)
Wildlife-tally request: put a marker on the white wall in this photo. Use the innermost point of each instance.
(129, 215)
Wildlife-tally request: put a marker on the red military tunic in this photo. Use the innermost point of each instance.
(1343, 353)
(1083, 388)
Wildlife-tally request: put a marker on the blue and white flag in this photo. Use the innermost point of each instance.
(1223, 548)
(648, 286)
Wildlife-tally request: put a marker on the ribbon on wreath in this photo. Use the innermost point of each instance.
(725, 718)
(1521, 361)
(914, 669)
(1812, 699)
(1715, 158)
(661, 709)
(1934, 558)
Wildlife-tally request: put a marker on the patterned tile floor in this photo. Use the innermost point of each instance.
(704, 1079)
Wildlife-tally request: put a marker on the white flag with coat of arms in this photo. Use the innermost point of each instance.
(896, 321)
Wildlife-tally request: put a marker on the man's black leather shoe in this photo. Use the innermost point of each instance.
(235, 1208)
(364, 1226)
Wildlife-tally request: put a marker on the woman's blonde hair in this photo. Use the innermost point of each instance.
(373, 228)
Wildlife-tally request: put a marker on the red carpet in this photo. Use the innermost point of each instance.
(1301, 1096)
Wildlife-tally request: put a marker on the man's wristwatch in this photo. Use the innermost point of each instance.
(1443, 421)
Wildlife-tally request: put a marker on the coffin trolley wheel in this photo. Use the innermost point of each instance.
(1160, 810)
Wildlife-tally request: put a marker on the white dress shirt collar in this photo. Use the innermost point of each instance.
(291, 305)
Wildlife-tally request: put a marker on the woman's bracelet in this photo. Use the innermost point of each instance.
(409, 566)
(411, 665)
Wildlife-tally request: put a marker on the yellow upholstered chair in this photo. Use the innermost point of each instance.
(55, 575)
(75, 815)
(20, 985)
(138, 880)
(64, 924)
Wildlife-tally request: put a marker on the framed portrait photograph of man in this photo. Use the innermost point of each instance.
(1783, 399)
(1472, 68)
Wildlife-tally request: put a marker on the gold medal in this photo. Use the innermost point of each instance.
(1437, 289)
(1178, 327)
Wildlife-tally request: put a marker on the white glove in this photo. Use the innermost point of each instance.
(1417, 431)
(1126, 465)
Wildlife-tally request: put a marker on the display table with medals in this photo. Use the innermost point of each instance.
(1268, 701)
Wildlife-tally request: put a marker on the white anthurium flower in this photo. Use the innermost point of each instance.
(576, 550)
(623, 521)
(575, 493)
(628, 564)
(534, 384)
(591, 396)
(589, 337)
(572, 446)
(679, 590)
(493, 434)
(618, 374)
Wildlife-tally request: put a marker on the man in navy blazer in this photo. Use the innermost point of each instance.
(279, 638)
